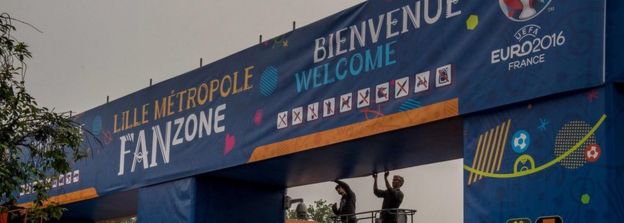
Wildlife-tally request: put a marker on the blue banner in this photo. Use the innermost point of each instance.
(542, 161)
(376, 67)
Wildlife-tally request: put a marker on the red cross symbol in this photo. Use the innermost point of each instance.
(421, 81)
(311, 110)
(328, 107)
(346, 102)
(402, 88)
(381, 92)
(283, 120)
(297, 115)
(364, 97)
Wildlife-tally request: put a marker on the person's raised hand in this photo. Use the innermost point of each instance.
(375, 175)
(387, 173)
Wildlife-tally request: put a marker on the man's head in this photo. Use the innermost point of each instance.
(397, 181)
(340, 190)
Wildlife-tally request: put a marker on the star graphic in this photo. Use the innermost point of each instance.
(592, 95)
(543, 123)
(285, 43)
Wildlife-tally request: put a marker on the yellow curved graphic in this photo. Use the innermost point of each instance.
(546, 165)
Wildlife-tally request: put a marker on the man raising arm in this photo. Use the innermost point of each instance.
(392, 196)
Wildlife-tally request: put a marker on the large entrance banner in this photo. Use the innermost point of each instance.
(377, 67)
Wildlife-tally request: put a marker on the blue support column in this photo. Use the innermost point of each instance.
(168, 202)
(614, 153)
(614, 44)
(615, 108)
(223, 200)
(203, 199)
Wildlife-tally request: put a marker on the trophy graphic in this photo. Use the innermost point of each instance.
(522, 10)
(527, 10)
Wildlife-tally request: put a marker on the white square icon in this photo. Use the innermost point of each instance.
(313, 111)
(382, 92)
(363, 98)
(346, 102)
(444, 75)
(76, 176)
(297, 116)
(282, 120)
(401, 87)
(422, 82)
(329, 107)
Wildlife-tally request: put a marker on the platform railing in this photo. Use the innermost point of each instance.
(403, 215)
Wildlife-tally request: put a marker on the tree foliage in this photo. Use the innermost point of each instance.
(35, 142)
(321, 212)
(122, 220)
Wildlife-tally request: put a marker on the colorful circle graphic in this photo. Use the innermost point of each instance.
(268, 81)
(571, 133)
(585, 198)
(592, 153)
(520, 141)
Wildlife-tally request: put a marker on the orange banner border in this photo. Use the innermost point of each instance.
(67, 198)
(414, 117)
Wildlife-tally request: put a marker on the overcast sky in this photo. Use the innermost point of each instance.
(91, 49)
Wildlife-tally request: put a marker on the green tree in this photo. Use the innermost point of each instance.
(35, 142)
(321, 212)
(122, 220)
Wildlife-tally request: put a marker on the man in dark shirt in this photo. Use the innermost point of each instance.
(392, 197)
(347, 203)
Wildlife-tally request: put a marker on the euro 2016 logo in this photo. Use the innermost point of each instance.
(523, 10)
